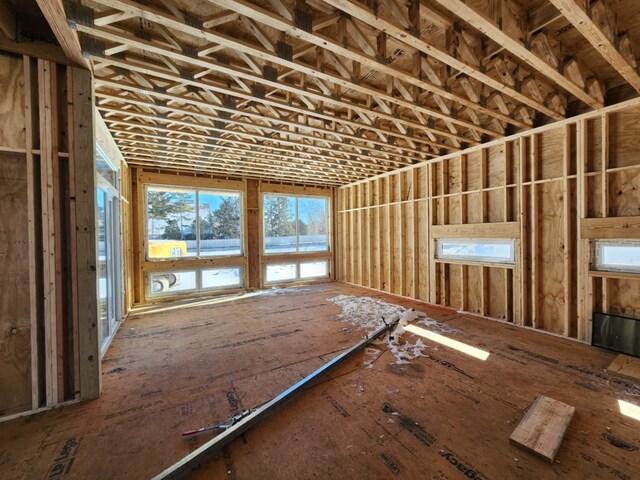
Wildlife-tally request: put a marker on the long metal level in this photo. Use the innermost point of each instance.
(213, 447)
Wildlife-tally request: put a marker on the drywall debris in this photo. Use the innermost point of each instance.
(368, 312)
(282, 291)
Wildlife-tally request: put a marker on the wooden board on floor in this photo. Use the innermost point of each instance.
(625, 366)
(543, 427)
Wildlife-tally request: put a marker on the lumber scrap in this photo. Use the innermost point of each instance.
(213, 447)
(543, 427)
(626, 367)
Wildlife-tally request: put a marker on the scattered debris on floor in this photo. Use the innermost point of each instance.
(368, 313)
(282, 291)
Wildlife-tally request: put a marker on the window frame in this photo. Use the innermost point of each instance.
(476, 259)
(598, 246)
(196, 190)
(296, 222)
(298, 279)
(198, 288)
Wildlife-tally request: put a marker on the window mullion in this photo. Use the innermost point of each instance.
(197, 223)
(297, 230)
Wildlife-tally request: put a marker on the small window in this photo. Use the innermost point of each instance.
(219, 278)
(618, 255)
(318, 269)
(485, 250)
(281, 273)
(171, 283)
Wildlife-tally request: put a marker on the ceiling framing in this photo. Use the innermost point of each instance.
(333, 91)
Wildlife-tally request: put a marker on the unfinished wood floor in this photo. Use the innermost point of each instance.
(445, 415)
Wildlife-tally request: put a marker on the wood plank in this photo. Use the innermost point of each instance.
(253, 234)
(611, 228)
(478, 230)
(47, 153)
(35, 243)
(543, 427)
(625, 366)
(15, 319)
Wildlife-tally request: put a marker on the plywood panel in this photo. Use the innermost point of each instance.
(407, 247)
(495, 206)
(550, 258)
(550, 150)
(473, 289)
(624, 193)
(12, 101)
(473, 167)
(593, 133)
(496, 298)
(624, 136)
(455, 285)
(396, 248)
(495, 165)
(423, 226)
(624, 297)
(15, 330)
(474, 214)
(593, 202)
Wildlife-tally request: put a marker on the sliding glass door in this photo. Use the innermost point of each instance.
(108, 238)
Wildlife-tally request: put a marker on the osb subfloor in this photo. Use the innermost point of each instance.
(446, 415)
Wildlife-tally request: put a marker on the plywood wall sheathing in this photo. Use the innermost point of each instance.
(554, 190)
(45, 295)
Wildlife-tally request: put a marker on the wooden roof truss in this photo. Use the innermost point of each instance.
(332, 91)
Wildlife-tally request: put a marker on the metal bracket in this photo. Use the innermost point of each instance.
(78, 14)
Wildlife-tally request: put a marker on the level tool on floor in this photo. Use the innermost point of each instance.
(210, 449)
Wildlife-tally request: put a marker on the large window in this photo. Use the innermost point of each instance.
(484, 250)
(295, 224)
(617, 255)
(187, 222)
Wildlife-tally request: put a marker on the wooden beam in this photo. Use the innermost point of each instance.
(516, 47)
(83, 151)
(602, 42)
(477, 230)
(611, 228)
(53, 11)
